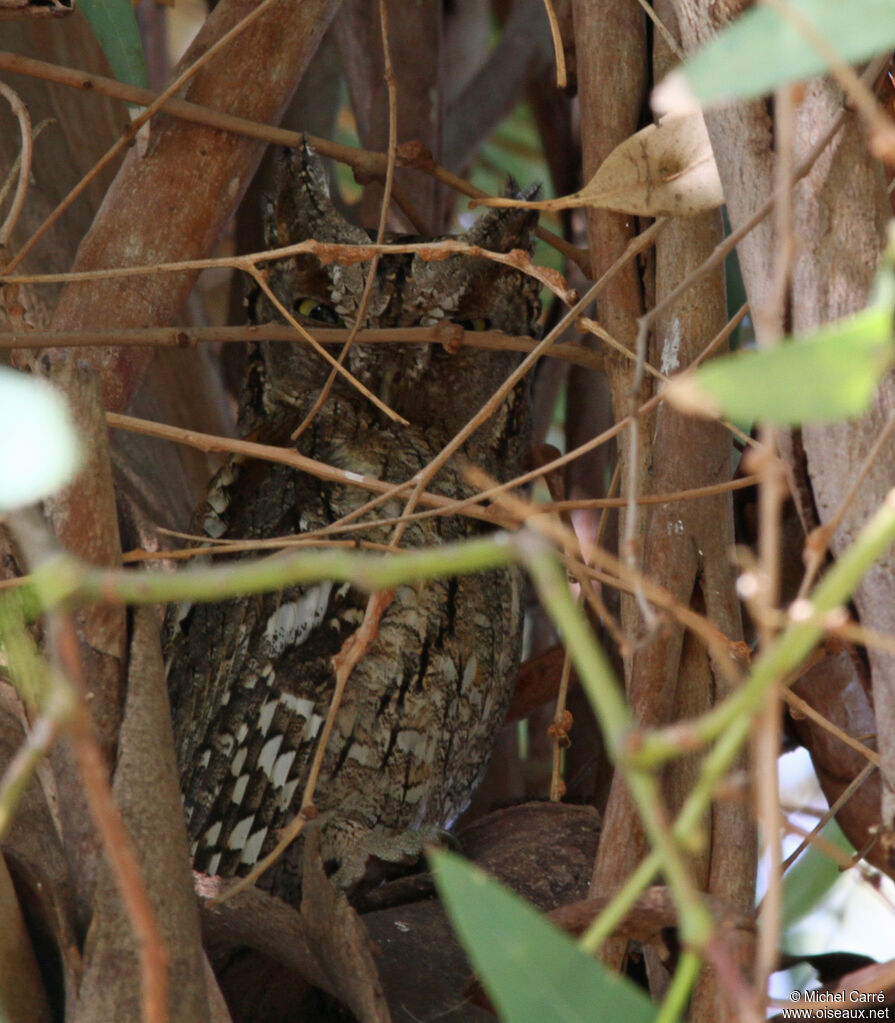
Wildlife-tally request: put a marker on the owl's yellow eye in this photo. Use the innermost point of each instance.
(315, 310)
(480, 323)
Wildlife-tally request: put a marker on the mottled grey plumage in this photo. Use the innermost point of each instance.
(251, 679)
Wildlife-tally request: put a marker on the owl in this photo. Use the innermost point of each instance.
(251, 679)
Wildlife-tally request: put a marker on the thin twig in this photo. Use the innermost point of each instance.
(722, 648)
(862, 635)
(365, 161)
(20, 111)
(117, 845)
(828, 815)
(559, 52)
(261, 280)
(13, 173)
(451, 335)
(133, 128)
(823, 845)
(667, 35)
(326, 251)
(805, 709)
(284, 456)
(319, 538)
(771, 493)
(22, 766)
(820, 539)
(592, 327)
(363, 305)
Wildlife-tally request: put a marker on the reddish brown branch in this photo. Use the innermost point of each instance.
(116, 841)
(365, 163)
(451, 334)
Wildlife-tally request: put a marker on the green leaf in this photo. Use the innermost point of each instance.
(812, 876)
(38, 446)
(531, 970)
(764, 49)
(829, 375)
(115, 26)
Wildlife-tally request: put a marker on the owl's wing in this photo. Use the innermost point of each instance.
(251, 681)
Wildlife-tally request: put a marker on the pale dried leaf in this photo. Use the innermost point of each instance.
(664, 170)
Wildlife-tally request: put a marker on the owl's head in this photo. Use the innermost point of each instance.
(407, 291)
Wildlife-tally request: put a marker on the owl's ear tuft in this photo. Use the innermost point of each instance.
(303, 207)
(512, 190)
(302, 188)
(304, 170)
(527, 194)
(503, 229)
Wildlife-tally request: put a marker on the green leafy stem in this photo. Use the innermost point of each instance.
(61, 580)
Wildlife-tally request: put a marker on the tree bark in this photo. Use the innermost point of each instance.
(610, 43)
(840, 212)
(172, 201)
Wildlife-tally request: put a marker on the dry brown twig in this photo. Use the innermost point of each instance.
(451, 336)
(615, 572)
(391, 156)
(344, 253)
(321, 538)
(559, 52)
(23, 163)
(767, 728)
(117, 844)
(365, 163)
(337, 367)
(814, 837)
(340, 253)
(818, 542)
(286, 456)
(131, 131)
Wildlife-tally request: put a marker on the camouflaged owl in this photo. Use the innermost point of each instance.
(251, 679)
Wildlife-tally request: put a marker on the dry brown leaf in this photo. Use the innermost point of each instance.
(665, 170)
